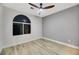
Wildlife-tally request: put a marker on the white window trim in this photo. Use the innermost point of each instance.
(21, 22)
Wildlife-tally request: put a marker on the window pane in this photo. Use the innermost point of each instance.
(27, 29)
(17, 29)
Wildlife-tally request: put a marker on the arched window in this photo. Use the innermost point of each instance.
(21, 25)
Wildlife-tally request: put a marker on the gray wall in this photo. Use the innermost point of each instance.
(1, 30)
(9, 39)
(63, 26)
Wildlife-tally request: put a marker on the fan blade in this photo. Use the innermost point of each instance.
(33, 5)
(49, 7)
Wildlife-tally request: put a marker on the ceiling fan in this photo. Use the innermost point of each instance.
(41, 6)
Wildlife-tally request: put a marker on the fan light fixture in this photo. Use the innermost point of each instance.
(40, 7)
(40, 11)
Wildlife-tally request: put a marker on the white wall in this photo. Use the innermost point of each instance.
(1, 36)
(9, 39)
(63, 26)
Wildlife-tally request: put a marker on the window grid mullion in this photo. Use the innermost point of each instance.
(23, 28)
(21, 23)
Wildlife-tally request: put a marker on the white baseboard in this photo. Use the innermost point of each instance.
(0, 51)
(69, 45)
(14, 44)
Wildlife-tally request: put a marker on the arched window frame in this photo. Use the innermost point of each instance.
(25, 25)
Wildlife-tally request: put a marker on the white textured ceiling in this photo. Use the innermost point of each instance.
(25, 7)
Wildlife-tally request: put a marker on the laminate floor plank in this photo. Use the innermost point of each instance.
(40, 47)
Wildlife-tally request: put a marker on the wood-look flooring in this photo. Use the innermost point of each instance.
(40, 47)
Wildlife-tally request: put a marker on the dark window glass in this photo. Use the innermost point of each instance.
(27, 29)
(17, 29)
(21, 18)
